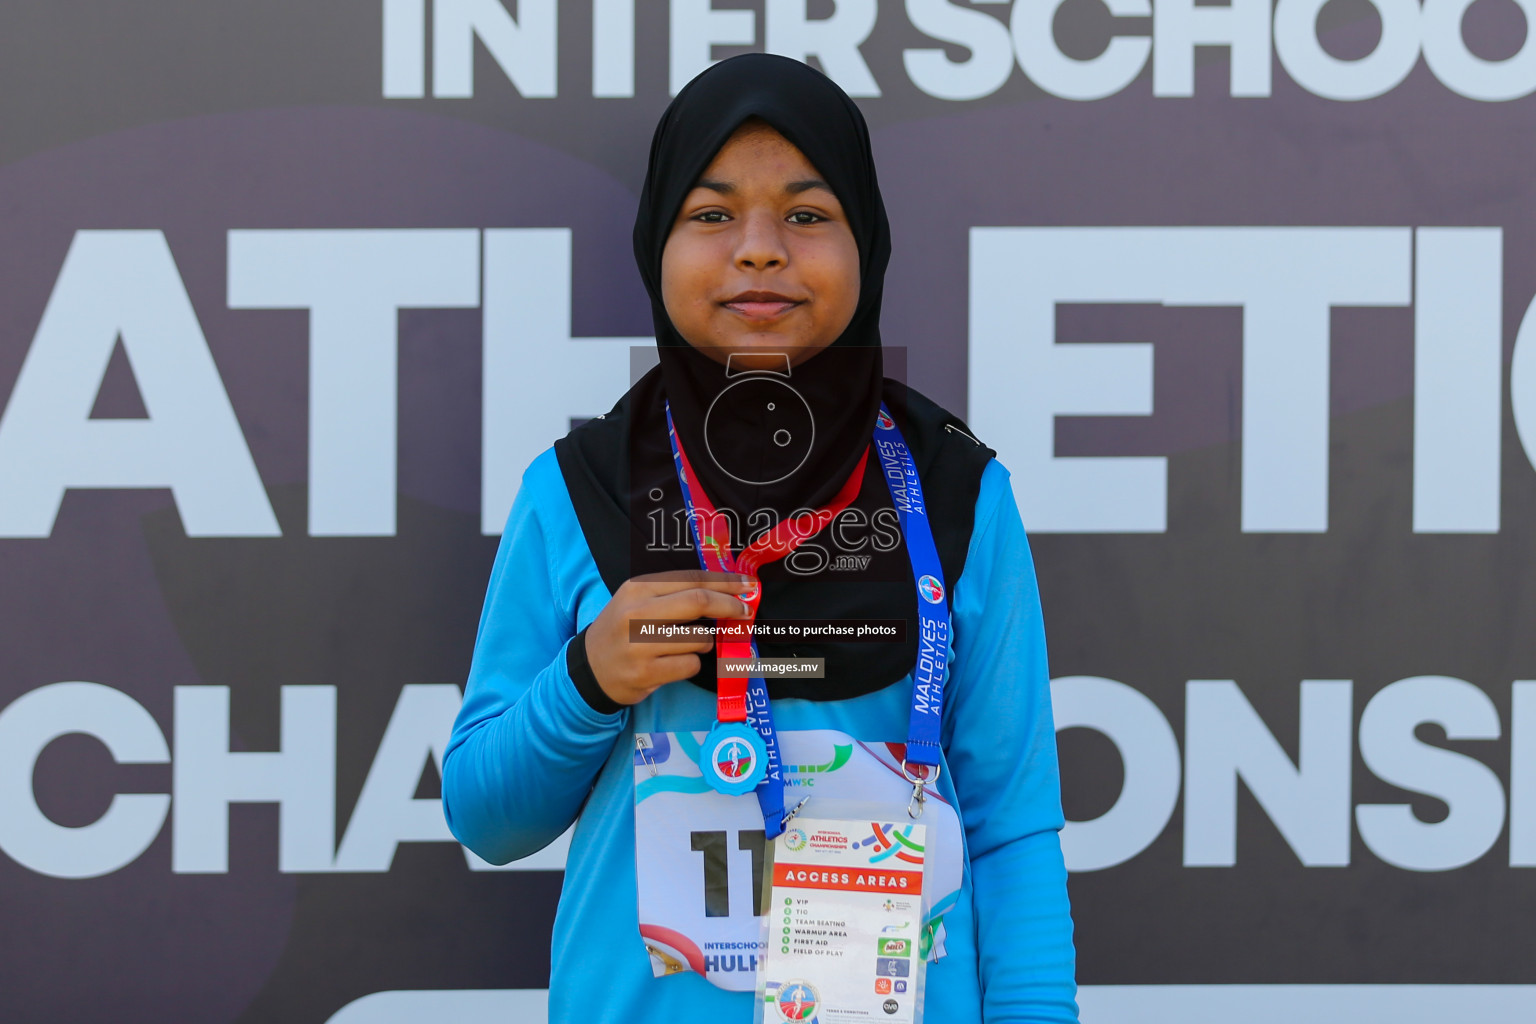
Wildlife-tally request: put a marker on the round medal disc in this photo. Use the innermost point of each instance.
(733, 758)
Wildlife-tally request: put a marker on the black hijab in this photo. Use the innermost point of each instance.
(736, 457)
(619, 470)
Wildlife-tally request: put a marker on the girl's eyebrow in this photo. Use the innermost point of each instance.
(794, 188)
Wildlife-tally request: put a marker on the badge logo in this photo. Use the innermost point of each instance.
(931, 589)
(733, 759)
(797, 1001)
(884, 421)
(795, 840)
(882, 986)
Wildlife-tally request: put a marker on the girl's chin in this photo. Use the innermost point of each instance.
(761, 352)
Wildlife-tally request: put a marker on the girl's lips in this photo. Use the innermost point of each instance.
(756, 310)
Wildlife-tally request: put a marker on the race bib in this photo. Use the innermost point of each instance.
(700, 855)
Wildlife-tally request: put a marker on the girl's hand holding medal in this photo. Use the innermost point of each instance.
(630, 671)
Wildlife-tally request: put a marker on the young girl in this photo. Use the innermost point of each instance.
(764, 446)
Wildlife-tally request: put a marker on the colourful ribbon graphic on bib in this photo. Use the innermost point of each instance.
(891, 842)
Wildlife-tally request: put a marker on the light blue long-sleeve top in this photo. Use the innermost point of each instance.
(528, 755)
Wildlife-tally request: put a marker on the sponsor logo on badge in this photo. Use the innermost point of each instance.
(895, 947)
(890, 1006)
(901, 986)
(797, 1000)
(883, 421)
(882, 986)
(796, 840)
(931, 589)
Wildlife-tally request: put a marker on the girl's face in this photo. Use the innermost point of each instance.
(761, 258)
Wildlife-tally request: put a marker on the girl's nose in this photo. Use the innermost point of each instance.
(761, 246)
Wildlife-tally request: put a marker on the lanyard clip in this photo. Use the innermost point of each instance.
(915, 805)
(919, 783)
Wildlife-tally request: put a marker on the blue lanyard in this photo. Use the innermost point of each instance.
(921, 764)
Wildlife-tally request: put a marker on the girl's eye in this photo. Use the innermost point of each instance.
(805, 217)
(711, 217)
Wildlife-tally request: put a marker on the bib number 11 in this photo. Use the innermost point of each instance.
(717, 868)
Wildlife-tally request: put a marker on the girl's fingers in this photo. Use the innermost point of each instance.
(693, 603)
(690, 577)
(723, 582)
(670, 668)
(672, 597)
(660, 649)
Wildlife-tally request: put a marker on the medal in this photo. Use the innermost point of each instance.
(734, 758)
(742, 714)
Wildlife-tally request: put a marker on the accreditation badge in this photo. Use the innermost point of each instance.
(702, 866)
(842, 923)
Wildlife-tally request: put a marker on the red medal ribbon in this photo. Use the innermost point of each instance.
(733, 637)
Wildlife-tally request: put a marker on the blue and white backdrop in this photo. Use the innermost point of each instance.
(290, 293)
